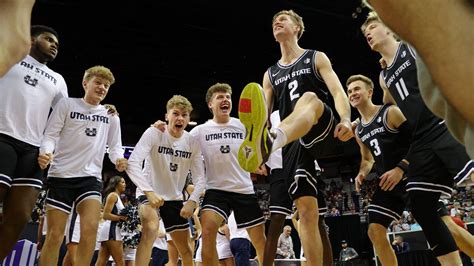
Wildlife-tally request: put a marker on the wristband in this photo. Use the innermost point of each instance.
(403, 165)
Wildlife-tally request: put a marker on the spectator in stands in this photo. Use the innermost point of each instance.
(396, 226)
(334, 212)
(414, 225)
(347, 253)
(399, 245)
(470, 218)
(285, 245)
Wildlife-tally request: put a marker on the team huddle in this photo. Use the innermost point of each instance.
(412, 150)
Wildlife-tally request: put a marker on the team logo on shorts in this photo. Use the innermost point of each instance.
(225, 149)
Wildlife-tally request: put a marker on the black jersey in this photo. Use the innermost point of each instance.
(386, 145)
(401, 80)
(289, 82)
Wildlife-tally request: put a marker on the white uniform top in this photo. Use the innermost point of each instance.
(235, 232)
(106, 230)
(169, 160)
(78, 133)
(275, 160)
(28, 91)
(220, 145)
(160, 242)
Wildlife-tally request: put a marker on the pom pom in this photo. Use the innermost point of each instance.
(131, 228)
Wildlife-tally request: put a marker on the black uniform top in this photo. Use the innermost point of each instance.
(289, 82)
(386, 145)
(401, 80)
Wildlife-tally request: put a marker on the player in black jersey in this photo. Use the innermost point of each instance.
(382, 136)
(298, 85)
(445, 44)
(15, 41)
(434, 156)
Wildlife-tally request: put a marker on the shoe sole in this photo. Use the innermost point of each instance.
(253, 115)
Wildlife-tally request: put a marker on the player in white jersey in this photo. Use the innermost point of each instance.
(72, 236)
(159, 255)
(78, 132)
(224, 254)
(110, 234)
(15, 19)
(170, 155)
(239, 242)
(27, 92)
(228, 186)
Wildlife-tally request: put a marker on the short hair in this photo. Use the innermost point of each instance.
(297, 19)
(99, 71)
(372, 16)
(36, 30)
(218, 87)
(179, 102)
(360, 77)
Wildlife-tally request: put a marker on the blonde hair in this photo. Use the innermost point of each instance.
(372, 16)
(180, 102)
(99, 71)
(218, 87)
(362, 78)
(297, 19)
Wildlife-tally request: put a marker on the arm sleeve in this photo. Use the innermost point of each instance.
(114, 139)
(54, 126)
(279, 251)
(197, 171)
(135, 162)
(62, 92)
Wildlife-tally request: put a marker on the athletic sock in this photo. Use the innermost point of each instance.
(279, 139)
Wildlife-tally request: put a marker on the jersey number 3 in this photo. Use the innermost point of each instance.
(375, 147)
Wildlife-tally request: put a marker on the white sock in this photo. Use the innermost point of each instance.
(280, 139)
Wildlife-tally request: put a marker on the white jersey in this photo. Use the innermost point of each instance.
(220, 144)
(168, 162)
(27, 92)
(160, 242)
(275, 160)
(78, 133)
(234, 231)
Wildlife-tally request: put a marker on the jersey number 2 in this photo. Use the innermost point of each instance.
(293, 86)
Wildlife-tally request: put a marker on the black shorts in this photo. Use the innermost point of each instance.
(19, 163)
(170, 213)
(280, 201)
(387, 206)
(434, 165)
(245, 206)
(302, 177)
(319, 141)
(64, 192)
